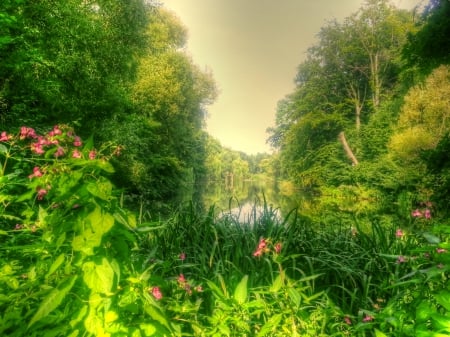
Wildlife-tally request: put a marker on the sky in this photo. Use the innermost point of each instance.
(253, 48)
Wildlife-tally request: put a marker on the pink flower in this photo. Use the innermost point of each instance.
(181, 279)
(37, 148)
(278, 248)
(36, 173)
(27, 132)
(347, 320)
(427, 214)
(41, 192)
(77, 142)
(157, 294)
(416, 213)
(182, 256)
(4, 137)
(441, 250)
(76, 154)
(59, 152)
(56, 130)
(258, 252)
(199, 289)
(262, 244)
(92, 154)
(367, 318)
(399, 233)
(401, 259)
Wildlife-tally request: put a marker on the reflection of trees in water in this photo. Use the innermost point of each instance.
(245, 194)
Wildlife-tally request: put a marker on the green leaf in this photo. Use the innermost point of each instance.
(433, 239)
(270, 325)
(157, 315)
(240, 293)
(443, 298)
(53, 300)
(277, 283)
(99, 277)
(3, 149)
(55, 265)
(102, 188)
(378, 333)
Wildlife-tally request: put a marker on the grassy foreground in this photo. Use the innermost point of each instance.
(74, 262)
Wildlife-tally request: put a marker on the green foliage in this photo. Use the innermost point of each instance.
(68, 61)
(66, 242)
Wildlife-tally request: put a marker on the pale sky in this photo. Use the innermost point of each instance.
(253, 48)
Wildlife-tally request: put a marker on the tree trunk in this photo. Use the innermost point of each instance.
(347, 149)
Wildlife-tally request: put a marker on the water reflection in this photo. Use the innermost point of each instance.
(245, 200)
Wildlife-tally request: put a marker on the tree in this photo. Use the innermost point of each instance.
(430, 45)
(68, 61)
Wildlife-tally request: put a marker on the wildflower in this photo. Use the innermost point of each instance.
(77, 142)
(181, 279)
(401, 259)
(347, 320)
(262, 248)
(76, 154)
(4, 137)
(399, 233)
(258, 253)
(27, 133)
(427, 214)
(262, 244)
(59, 152)
(440, 266)
(37, 148)
(18, 226)
(92, 154)
(41, 192)
(157, 294)
(56, 131)
(441, 250)
(367, 318)
(416, 213)
(278, 248)
(199, 289)
(182, 256)
(36, 173)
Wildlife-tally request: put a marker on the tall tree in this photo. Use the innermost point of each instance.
(67, 61)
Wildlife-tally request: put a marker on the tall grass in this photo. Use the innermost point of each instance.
(354, 268)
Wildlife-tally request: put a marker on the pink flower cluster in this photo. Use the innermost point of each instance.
(263, 247)
(59, 137)
(183, 283)
(425, 212)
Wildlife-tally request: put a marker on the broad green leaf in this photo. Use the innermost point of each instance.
(147, 329)
(277, 283)
(99, 277)
(270, 325)
(240, 293)
(55, 265)
(100, 221)
(102, 188)
(157, 315)
(378, 333)
(294, 296)
(443, 298)
(53, 300)
(3, 149)
(431, 238)
(441, 322)
(111, 316)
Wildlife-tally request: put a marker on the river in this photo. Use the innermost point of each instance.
(247, 199)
